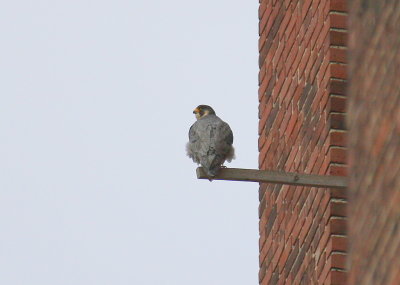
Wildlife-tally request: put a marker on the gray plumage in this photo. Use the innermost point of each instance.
(210, 141)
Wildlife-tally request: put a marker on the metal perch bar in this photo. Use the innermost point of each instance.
(278, 177)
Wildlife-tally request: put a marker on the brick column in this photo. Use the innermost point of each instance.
(374, 142)
(302, 99)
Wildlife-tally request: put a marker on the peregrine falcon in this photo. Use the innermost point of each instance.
(210, 141)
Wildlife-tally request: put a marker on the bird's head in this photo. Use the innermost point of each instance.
(202, 111)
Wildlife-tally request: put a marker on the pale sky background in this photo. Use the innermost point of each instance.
(96, 103)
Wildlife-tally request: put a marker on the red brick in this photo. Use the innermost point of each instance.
(338, 5)
(338, 138)
(337, 104)
(338, 260)
(338, 243)
(337, 155)
(339, 70)
(338, 38)
(338, 54)
(338, 170)
(338, 209)
(338, 21)
(337, 121)
(284, 256)
(338, 226)
(338, 86)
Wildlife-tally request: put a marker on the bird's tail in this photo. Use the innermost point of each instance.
(214, 165)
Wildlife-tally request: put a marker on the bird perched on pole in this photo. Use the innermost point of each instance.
(210, 141)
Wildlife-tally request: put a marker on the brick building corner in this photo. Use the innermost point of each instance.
(302, 82)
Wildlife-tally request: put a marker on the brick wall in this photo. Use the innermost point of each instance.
(374, 123)
(301, 129)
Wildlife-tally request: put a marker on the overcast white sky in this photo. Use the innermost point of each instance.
(96, 103)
